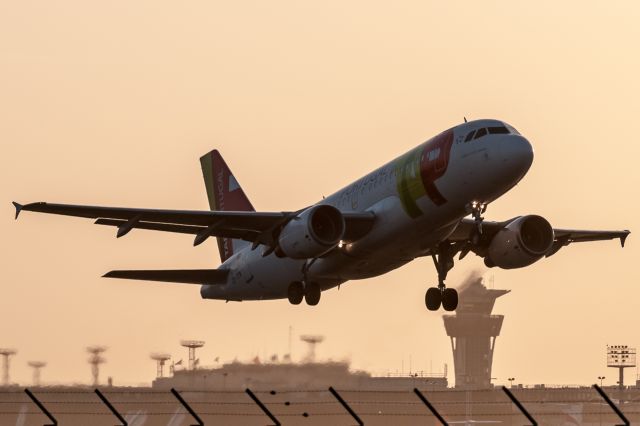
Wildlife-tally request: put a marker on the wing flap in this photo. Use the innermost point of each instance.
(184, 276)
(242, 234)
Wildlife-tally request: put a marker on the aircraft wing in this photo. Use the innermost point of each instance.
(563, 237)
(255, 227)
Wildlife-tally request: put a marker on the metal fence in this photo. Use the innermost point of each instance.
(149, 407)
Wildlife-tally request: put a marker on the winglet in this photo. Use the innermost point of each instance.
(623, 238)
(18, 207)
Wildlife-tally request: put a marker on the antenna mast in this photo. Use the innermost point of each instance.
(192, 345)
(160, 360)
(312, 341)
(95, 360)
(37, 366)
(6, 354)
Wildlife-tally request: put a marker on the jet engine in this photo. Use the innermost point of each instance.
(522, 242)
(312, 233)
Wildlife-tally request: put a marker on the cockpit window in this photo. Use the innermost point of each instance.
(469, 136)
(512, 129)
(480, 133)
(500, 130)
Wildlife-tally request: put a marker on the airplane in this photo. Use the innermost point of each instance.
(417, 205)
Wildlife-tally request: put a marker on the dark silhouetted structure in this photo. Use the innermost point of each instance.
(621, 357)
(6, 354)
(473, 331)
(312, 341)
(160, 360)
(37, 366)
(192, 345)
(95, 360)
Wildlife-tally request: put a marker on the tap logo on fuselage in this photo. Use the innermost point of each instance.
(418, 170)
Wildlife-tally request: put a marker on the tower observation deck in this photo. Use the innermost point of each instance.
(473, 331)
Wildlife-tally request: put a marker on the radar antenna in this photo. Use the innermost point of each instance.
(95, 360)
(192, 345)
(6, 354)
(312, 341)
(37, 366)
(160, 360)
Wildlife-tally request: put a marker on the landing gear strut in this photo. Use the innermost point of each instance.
(477, 209)
(441, 295)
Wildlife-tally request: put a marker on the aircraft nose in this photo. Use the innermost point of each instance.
(524, 152)
(517, 157)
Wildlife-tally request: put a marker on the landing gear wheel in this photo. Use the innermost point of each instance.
(449, 299)
(295, 293)
(433, 299)
(312, 294)
(443, 260)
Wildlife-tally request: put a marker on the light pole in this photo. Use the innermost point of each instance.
(601, 378)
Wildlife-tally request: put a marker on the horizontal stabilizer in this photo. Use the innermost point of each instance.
(185, 276)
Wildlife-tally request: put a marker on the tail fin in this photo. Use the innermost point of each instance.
(224, 194)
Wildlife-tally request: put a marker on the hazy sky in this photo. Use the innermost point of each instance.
(112, 103)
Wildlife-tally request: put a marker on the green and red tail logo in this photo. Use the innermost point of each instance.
(224, 193)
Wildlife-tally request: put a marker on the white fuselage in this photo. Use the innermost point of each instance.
(418, 200)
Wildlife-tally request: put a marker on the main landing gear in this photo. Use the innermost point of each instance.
(299, 290)
(441, 295)
(443, 260)
(310, 291)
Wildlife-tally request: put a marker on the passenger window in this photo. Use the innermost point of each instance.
(498, 130)
(469, 136)
(480, 133)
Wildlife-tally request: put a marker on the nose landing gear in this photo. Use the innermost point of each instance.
(441, 295)
(477, 209)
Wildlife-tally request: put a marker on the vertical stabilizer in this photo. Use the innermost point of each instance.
(225, 194)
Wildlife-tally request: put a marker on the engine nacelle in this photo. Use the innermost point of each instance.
(522, 242)
(312, 233)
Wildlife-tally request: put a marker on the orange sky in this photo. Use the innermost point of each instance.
(112, 103)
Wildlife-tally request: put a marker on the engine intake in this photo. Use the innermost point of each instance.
(312, 233)
(522, 242)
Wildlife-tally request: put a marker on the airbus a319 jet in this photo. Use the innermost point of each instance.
(429, 201)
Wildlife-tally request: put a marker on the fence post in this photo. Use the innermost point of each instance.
(520, 406)
(262, 407)
(345, 405)
(42, 408)
(187, 407)
(111, 407)
(430, 407)
(613, 406)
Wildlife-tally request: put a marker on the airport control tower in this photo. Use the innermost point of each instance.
(473, 331)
